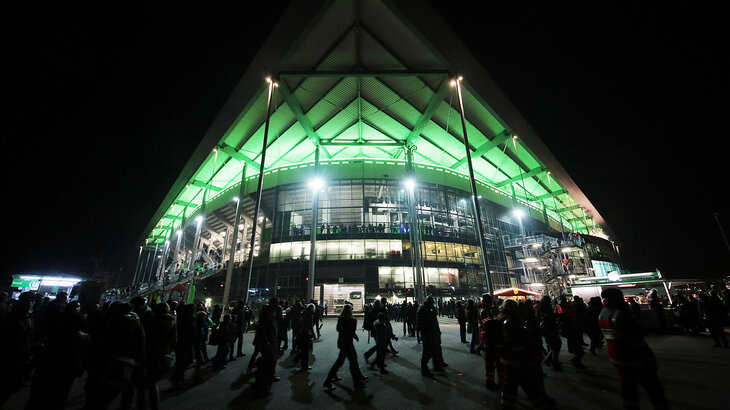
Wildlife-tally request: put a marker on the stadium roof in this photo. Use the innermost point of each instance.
(362, 79)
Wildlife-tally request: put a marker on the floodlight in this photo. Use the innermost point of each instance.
(316, 183)
(410, 184)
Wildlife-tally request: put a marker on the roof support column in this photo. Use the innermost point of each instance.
(316, 185)
(137, 266)
(163, 260)
(151, 261)
(257, 207)
(474, 197)
(196, 242)
(410, 183)
(234, 240)
(178, 243)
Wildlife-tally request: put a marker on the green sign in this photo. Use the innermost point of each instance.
(32, 284)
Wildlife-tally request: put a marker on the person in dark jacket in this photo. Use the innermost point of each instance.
(590, 323)
(202, 329)
(346, 332)
(119, 360)
(16, 333)
(185, 347)
(224, 337)
(568, 321)
(161, 334)
(60, 361)
(266, 342)
(628, 352)
(472, 322)
(550, 330)
(239, 327)
(383, 334)
(714, 314)
(461, 318)
(304, 338)
(430, 334)
(295, 315)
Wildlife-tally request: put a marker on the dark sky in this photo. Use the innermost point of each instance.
(108, 101)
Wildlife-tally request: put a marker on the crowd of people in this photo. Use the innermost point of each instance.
(126, 348)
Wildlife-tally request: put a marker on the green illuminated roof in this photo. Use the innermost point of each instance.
(362, 83)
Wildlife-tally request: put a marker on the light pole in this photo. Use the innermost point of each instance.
(472, 181)
(272, 84)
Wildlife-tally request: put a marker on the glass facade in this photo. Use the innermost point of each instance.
(364, 235)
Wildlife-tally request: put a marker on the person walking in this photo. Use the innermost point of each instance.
(567, 319)
(550, 330)
(590, 323)
(305, 337)
(224, 337)
(714, 315)
(472, 326)
(383, 334)
(161, 335)
(628, 352)
(266, 342)
(430, 332)
(346, 332)
(238, 327)
(461, 319)
(491, 340)
(520, 358)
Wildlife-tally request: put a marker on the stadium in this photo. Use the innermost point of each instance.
(370, 134)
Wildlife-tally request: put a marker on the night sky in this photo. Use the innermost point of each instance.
(108, 101)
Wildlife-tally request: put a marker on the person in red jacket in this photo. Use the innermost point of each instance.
(629, 353)
(520, 359)
(490, 338)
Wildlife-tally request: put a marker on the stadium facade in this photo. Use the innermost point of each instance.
(378, 132)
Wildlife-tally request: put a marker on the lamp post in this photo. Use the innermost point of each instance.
(257, 207)
(475, 201)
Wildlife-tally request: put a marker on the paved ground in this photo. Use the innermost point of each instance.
(695, 377)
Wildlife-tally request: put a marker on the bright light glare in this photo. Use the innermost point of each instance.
(316, 183)
(565, 250)
(530, 259)
(519, 213)
(236, 199)
(410, 184)
(179, 232)
(198, 219)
